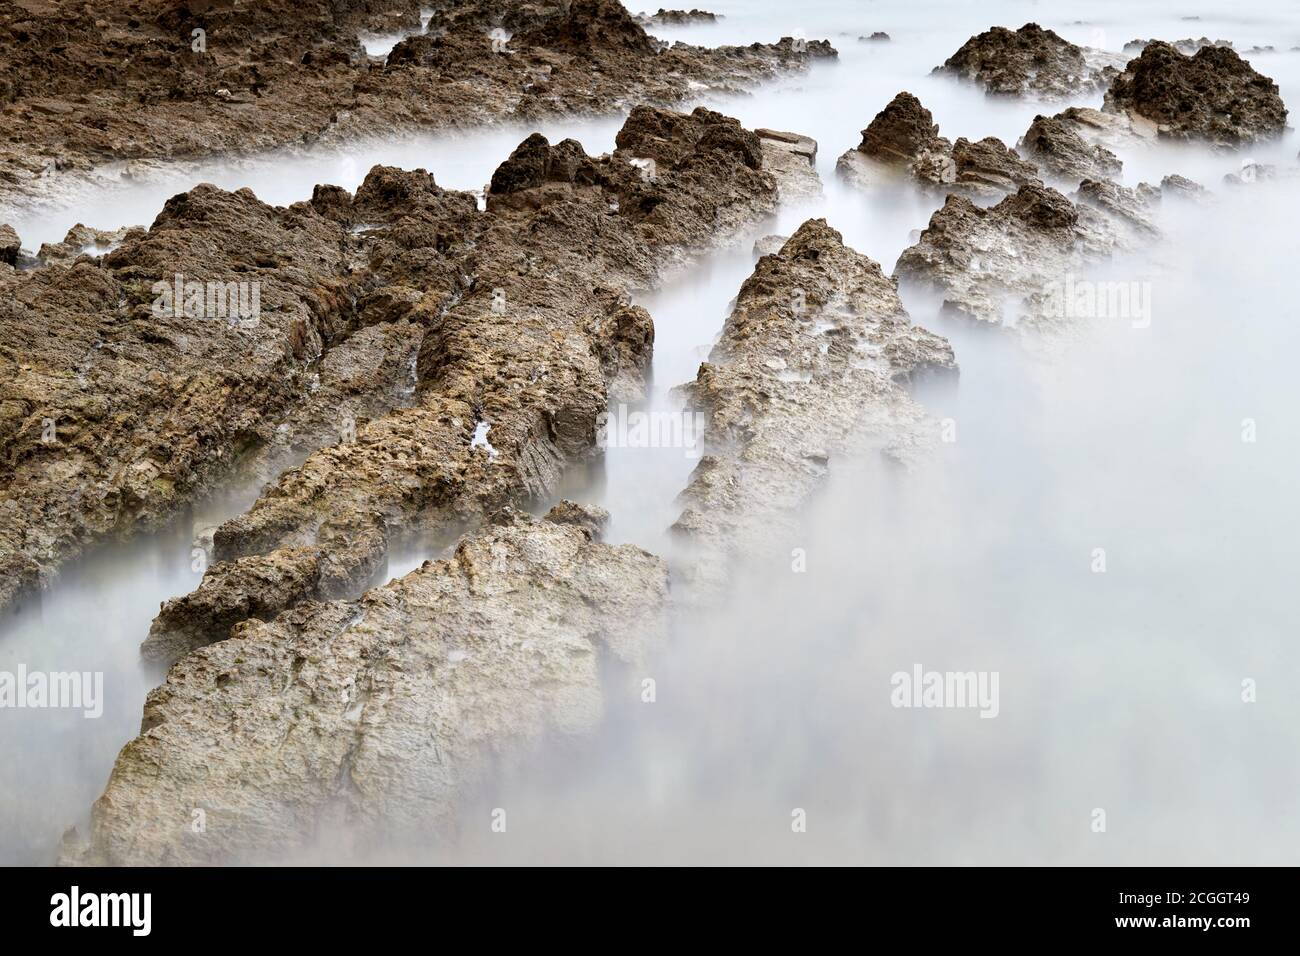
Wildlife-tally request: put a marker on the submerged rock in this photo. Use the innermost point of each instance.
(1213, 95)
(813, 362)
(904, 137)
(372, 720)
(1030, 61)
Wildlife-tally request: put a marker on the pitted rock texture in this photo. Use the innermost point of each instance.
(513, 372)
(812, 363)
(1030, 61)
(1213, 95)
(1057, 146)
(371, 719)
(900, 132)
(998, 264)
(1114, 131)
(121, 403)
(904, 137)
(88, 83)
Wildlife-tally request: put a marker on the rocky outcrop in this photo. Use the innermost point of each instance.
(512, 374)
(676, 17)
(372, 719)
(122, 401)
(10, 245)
(901, 132)
(1030, 61)
(1187, 46)
(91, 83)
(994, 264)
(904, 137)
(792, 158)
(1114, 131)
(1213, 95)
(1058, 147)
(82, 240)
(813, 362)
(1180, 187)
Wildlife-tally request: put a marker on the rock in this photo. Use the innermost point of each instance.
(121, 404)
(10, 245)
(768, 245)
(811, 364)
(1252, 172)
(1131, 207)
(1030, 61)
(676, 17)
(374, 718)
(877, 37)
(288, 74)
(1183, 188)
(1188, 46)
(904, 138)
(83, 240)
(1110, 130)
(994, 264)
(985, 168)
(900, 132)
(512, 375)
(792, 158)
(1213, 95)
(1056, 145)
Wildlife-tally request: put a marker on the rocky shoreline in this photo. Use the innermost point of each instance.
(154, 81)
(422, 366)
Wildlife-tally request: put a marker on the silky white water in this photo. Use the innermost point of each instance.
(1119, 690)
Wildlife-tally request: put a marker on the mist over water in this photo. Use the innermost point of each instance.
(1119, 691)
(56, 760)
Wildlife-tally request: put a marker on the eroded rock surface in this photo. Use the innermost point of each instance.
(997, 264)
(792, 158)
(1187, 46)
(813, 362)
(512, 374)
(371, 719)
(1213, 95)
(1030, 61)
(10, 245)
(1057, 145)
(120, 402)
(676, 17)
(91, 83)
(904, 138)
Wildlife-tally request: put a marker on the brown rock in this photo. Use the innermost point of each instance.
(1213, 95)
